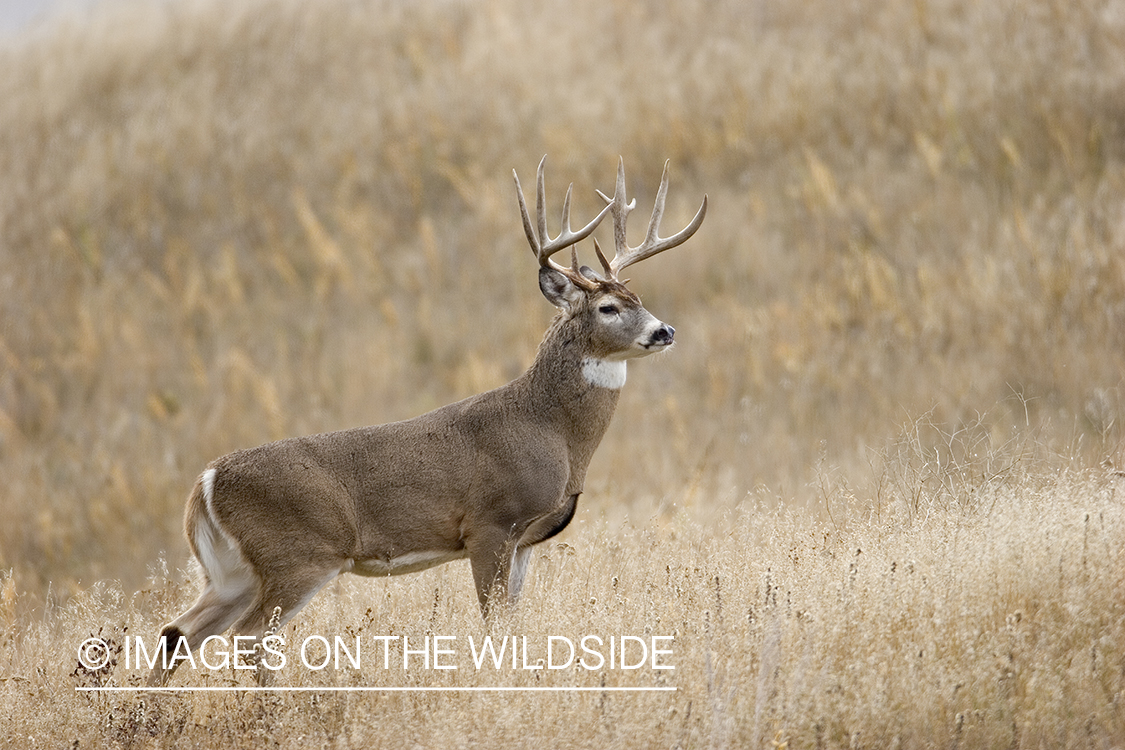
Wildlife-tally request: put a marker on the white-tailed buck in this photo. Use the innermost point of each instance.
(484, 478)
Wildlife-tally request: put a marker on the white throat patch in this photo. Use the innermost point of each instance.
(604, 373)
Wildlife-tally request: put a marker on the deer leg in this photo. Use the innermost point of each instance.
(213, 612)
(290, 595)
(520, 561)
(490, 555)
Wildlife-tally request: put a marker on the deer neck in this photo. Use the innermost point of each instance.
(574, 391)
(567, 378)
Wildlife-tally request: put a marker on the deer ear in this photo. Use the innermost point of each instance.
(590, 273)
(558, 289)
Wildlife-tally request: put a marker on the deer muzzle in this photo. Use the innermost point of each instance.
(661, 337)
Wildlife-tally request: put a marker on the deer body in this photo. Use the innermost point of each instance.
(342, 501)
(483, 478)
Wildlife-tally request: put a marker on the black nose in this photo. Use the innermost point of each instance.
(663, 334)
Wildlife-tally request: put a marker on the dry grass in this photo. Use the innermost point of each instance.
(221, 225)
(992, 617)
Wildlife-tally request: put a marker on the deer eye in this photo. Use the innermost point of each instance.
(608, 310)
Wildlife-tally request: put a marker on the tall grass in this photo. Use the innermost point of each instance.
(989, 616)
(225, 224)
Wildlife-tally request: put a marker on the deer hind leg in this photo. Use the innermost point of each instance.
(230, 588)
(289, 594)
(213, 612)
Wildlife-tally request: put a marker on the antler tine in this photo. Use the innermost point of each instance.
(532, 239)
(653, 243)
(652, 237)
(621, 210)
(541, 206)
(601, 258)
(541, 242)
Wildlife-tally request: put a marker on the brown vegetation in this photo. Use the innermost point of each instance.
(222, 225)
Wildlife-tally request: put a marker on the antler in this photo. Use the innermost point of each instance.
(541, 243)
(653, 243)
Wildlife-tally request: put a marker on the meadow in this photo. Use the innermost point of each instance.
(872, 492)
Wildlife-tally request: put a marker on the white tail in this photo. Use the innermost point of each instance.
(484, 478)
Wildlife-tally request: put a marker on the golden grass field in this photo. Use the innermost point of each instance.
(874, 492)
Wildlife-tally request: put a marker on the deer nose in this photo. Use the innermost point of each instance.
(663, 334)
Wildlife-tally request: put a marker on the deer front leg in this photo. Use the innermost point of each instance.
(491, 557)
(520, 561)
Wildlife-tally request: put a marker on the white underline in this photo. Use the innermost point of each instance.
(365, 689)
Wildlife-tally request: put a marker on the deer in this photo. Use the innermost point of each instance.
(485, 478)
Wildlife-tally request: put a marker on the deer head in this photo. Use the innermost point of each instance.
(615, 326)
